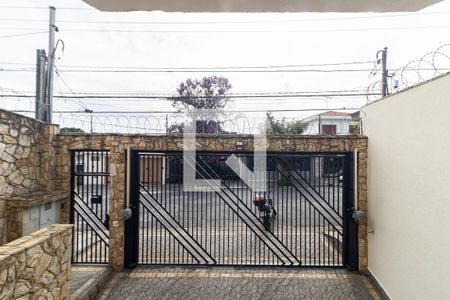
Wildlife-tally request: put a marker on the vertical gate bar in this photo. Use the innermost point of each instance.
(100, 183)
(219, 229)
(164, 191)
(215, 227)
(152, 236)
(72, 187)
(160, 233)
(198, 214)
(91, 246)
(227, 228)
(97, 177)
(282, 208)
(276, 183)
(297, 212)
(334, 183)
(315, 235)
(232, 239)
(326, 250)
(309, 225)
(291, 223)
(334, 247)
(143, 232)
(328, 182)
(106, 169)
(83, 242)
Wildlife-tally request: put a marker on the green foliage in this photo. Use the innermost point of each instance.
(285, 127)
(70, 129)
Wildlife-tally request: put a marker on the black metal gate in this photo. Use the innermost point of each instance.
(310, 196)
(89, 206)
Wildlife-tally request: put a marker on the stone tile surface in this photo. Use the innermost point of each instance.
(85, 279)
(237, 283)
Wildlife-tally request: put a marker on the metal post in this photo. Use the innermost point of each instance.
(384, 83)
(132, 224)
(320, 124)
(90, 111)
(167, 124)
(41, 60)
(51, 60)
(350, 226)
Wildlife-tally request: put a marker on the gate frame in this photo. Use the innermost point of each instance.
(350, 248)
(72, 171)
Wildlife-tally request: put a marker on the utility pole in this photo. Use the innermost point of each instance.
(384, 71)
(51, 61)
(90, 111)
(167, 124)
(41, 60)
(320, 124)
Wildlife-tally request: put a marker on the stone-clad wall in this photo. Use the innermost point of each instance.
(26, 159)
(117, 144)
(26, 163)
(37, 266)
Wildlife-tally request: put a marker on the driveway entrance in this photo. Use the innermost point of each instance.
(304, 218)
(238, 283)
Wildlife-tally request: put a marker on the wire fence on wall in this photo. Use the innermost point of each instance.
(148, 123)
(161, 123)
(429, 66)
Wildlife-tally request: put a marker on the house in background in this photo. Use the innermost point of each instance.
(333, 123)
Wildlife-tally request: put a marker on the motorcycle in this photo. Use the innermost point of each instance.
(267, 213)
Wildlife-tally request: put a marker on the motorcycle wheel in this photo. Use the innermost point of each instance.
(267, 222)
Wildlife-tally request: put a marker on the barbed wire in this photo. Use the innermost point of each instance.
(144, 123)
(430, 65)
(159, 123)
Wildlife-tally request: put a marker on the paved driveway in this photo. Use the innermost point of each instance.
(237, 283)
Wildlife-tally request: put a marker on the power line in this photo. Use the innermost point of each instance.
(45, 7)
(68, 87)
(261, 30)
(62, 30)
(206, 68)
(210, 70)
(200, 71)
(21, 34)
(134, 98)
(170, 93)
(175, 112)
(229, 21)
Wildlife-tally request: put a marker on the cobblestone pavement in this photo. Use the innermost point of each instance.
(237, 283)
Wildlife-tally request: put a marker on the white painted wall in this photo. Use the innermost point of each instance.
(342, 125)
(409, 191)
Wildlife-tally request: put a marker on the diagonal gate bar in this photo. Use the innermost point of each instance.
(174, 227)
(247, 216)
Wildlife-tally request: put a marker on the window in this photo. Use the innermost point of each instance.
(353, 129)
(329, 129)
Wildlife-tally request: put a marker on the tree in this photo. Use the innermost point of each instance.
(71, 129)
(285, 127)
(207, 93)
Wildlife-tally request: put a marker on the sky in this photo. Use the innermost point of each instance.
(95, 40)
